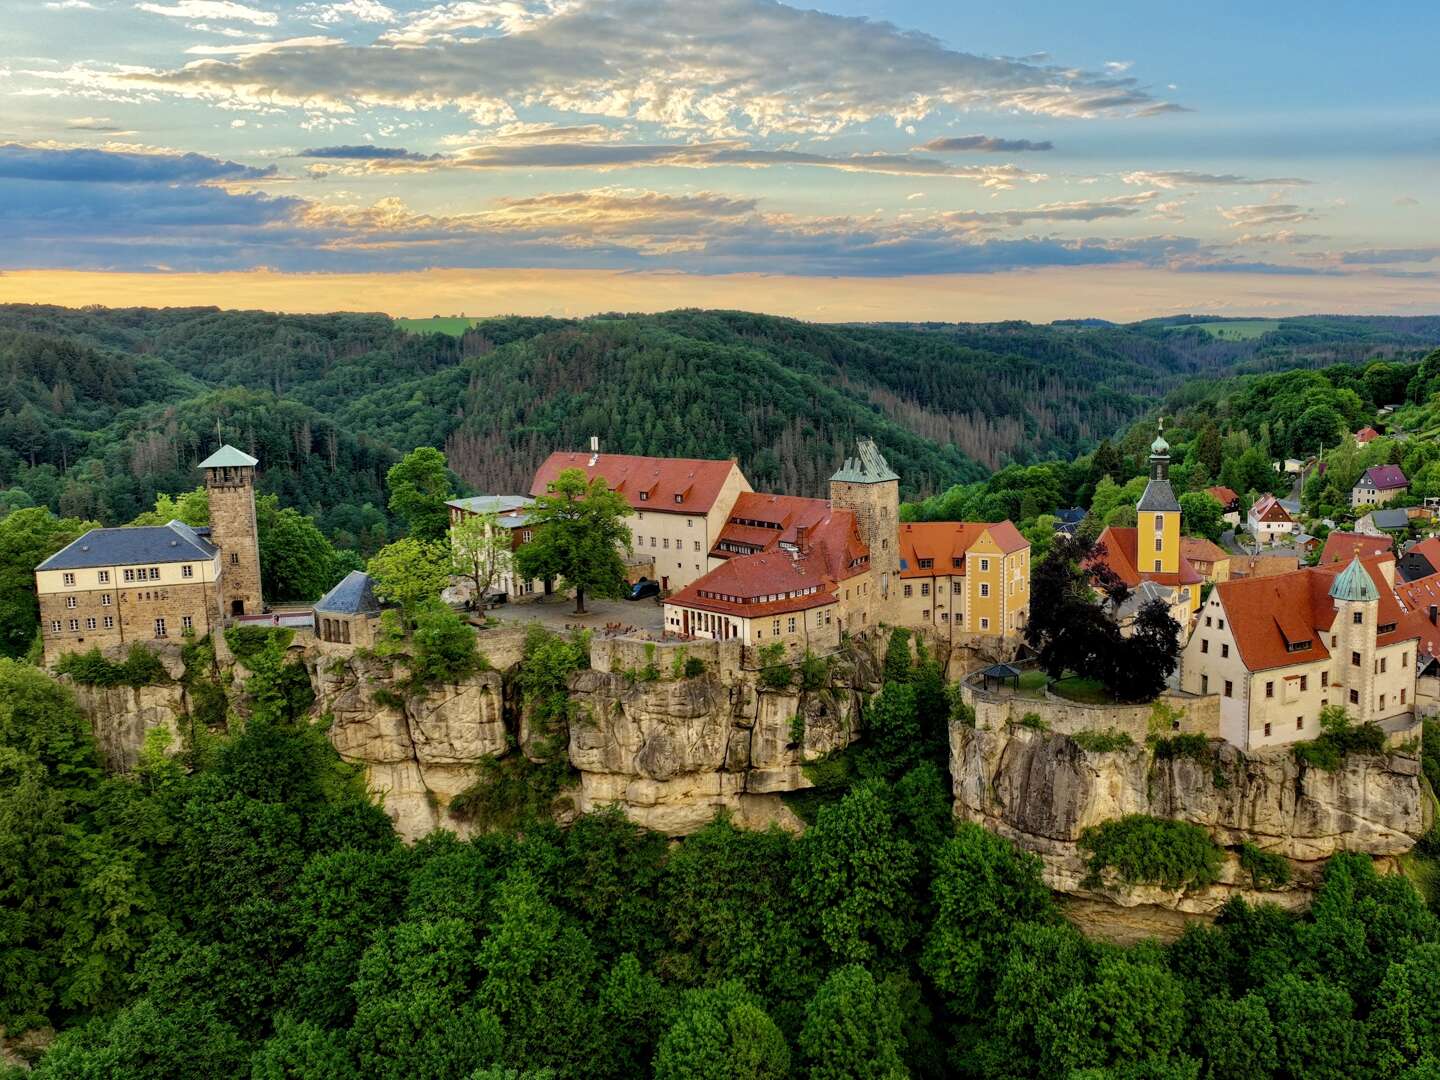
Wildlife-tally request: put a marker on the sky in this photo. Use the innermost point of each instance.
(865, 159)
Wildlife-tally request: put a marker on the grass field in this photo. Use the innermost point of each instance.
(453, 325)
(1239, 329)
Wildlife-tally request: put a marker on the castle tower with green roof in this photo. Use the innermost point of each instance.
(230, 480)
(867, 486)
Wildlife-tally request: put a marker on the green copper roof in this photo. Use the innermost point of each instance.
(1354, 584)
(227, 457)
(868, 466)
(1160, 447)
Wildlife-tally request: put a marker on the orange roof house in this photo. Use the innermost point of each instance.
(1225, 496)
(1366, 434)
(930, 546)
(664, 485)
(1344, 546)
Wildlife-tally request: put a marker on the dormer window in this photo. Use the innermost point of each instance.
(679, 498)
(1298, 646)
(926, 564)
(1385, 628)
(644, 496)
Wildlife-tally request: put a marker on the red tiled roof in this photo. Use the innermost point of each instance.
(1258, 566)
(1343, 546)
(1268, 508)
(1365, 434)
(761, 520)
(750, 577)
(697, 482)
(1269, 615)
(1120, 555)
(1223, 495)
(943, 542)
(1199, 550)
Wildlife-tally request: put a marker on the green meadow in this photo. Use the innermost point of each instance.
(453, 325)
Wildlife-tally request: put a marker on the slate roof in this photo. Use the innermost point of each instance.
(228, 457)
(355, 595)
(1159, 497)
(697, 482)
(132, 545)
(491, 504)
(1384, 478)
(1390, 519)
(868, 466)
(1070, 515)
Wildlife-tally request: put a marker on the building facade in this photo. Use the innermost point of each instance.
(1379, 485)
(230, 483)
(963, 578)
(1279, 650)
(680, 505)
(1269, 521)
(349, 613)
(510, 515)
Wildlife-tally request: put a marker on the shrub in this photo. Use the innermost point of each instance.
(444, 648)
(1266, 870)
(775, 674)
(1103, 742)
(814, 672)
(1151, 851)
(141, 667)
(1166, 747)
(511, 791)
(1034, 721)
(1339, 736)
(694, 667)
(249, 641)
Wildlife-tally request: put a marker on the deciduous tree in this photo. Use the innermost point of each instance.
(579, 534)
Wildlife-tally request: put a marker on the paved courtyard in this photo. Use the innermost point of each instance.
(558, 613)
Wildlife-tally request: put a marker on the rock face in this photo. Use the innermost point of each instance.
(419, 751)
(121, 717)
(1042, 790)
(671, 752)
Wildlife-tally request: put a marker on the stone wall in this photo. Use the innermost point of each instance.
(1042, 790)
(994, 710)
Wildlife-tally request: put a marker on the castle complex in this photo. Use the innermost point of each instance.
(115, 587)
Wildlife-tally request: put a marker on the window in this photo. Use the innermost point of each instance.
(187, 571)
(1383, 659)
(234, 558)
(689, 523)
(526, 535)
(984, 624)
(1267, 731)
(1324, 678)
(1204, 684)
(644, 496)
(154, 573)
(129, 575)
(1382, 702)
(944, 616)
(1220, 624)
(1159, 543)
(1304, 683)
(1355, 659)
(89, 624)
(69, 579)
(159, 628)
(679, 498)
(1402, 697)
(1299, 723)
(984, 565)
(54, 626)
(697, 545)
(1224, 649)
(103, 577)
(790, 626)
(925, 614)
(70, 601)
(1229, 688)
(1354, 697)
(1157, 566)
(1270, 689)
(74, 624)
(926, 564)
(984, 589)
(1207, 620)
(1159, 522)
(105, 599)
(908, 590)
(1204, 645)
(924, 588)
(186, 622)
(1358, 618)
(956, 588)
(109, 622)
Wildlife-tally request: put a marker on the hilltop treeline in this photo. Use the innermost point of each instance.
(104, 409)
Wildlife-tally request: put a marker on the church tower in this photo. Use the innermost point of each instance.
(230, 480)
(867, 486)
(1157, 515)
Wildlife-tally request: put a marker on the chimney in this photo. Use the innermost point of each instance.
(1434, 612)
(800, 538)
(594, 450)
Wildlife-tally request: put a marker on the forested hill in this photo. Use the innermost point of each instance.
(105, 408)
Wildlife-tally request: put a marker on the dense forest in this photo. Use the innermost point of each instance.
(238, 907)
(106, 409)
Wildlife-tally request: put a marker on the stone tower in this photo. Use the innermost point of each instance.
(230, 480)
(1357, 608)
(1157, 516)
(867, 486)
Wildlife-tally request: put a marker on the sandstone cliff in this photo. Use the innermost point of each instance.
(1042, 790)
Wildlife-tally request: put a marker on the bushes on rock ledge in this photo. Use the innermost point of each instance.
(141, 667)
(1340, 735)
(1147, 850)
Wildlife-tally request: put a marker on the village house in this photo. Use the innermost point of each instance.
(680, 504)
(1256, 566)
(1150, 554)
(1341, 547)
(1269, 521)
(146, 583)
(964, 578)
(1210, 560)
(1229, 503)
(1378, 486)
(1387, 522)
(1280, 649)
(511, 515)
(1419, 560)
(1366, 435)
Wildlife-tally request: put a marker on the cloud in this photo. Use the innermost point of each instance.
(368, 11)
(1185, 178)
(1258, 214)
(983, 143)
(1406, 200)
(1383, 256)
(1117, 206)
(69, 5)
(720, 66)
(224, 10)
(31, 163)
(92, 123)
(256, 48)
(365, 153)
(605, 156)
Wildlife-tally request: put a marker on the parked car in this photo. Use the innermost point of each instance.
(495, 599)
(643, 588)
